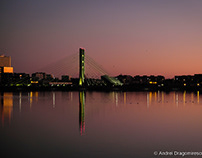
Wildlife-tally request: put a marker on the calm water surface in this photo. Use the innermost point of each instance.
(98, 124)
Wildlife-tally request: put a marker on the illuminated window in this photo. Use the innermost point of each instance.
(8, 69)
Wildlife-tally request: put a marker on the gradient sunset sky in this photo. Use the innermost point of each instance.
(134, 37)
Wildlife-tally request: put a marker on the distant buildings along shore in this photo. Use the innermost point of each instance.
(9, 79)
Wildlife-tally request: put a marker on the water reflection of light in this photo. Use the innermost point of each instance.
(30, 99)
(155, 96)
(177, 100)
(112, 96)
(147, 100)
(82, 112)
(36, 94)
(198, 97)
(6, 106)
(32, 95)
(158, 96)
(53, 99)
(192, 97)
(162, 97)
(184, 97)
(116, 99)
(20, 101)
(71, 96)
(150, 98)
(124, 98)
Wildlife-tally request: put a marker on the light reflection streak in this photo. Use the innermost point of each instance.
(184, 97)
(124, 98)
(36, 94)
(150, 98)
(20, 101)
(112, 96)
(31, 96)
(177, 101)
(116, 99)
(155, 96)
(71, 96)
(28, 96)
(198, 97)
(162, 97)
(147, 100)
(158, 96)
(192, 97)
(53, 99)
(30, 99)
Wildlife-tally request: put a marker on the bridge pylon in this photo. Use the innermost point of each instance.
(81, 66)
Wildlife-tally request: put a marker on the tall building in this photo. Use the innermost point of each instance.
(5, 61)
(6, 71)
(5, 64)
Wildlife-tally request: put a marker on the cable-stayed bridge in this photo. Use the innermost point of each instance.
(82, 66)
(70, 66)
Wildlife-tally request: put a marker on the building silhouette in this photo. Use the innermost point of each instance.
(6, 71)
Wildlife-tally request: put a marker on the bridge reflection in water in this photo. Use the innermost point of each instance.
(8, 102)
(82, 112)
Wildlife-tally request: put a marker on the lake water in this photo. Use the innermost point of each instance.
(100, 124)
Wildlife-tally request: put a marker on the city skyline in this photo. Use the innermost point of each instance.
(131, 37)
